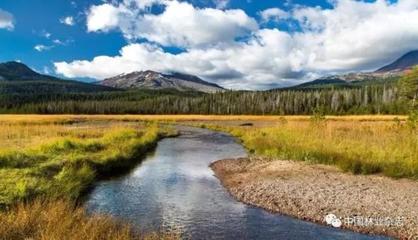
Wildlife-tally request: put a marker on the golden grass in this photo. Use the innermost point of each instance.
(62, 160)
(59, 119)
(17, 136)
(55, 157)
(60, 220)
(356, 145)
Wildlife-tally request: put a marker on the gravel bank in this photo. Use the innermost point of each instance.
(310, 192)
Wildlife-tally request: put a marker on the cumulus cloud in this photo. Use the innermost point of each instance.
(6, 20)
(351, 36)
(356, 35)
(103, 17)
(237, 66)
(180, 24)
(67, 21)
(274, 14)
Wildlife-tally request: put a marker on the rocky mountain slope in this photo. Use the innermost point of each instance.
(158, 81)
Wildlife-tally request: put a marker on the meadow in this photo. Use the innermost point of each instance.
(47, 162)
(56, 160)
(62, 155)
(360, 145)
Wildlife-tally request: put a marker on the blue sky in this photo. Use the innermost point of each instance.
(285, 45)
(33, 19)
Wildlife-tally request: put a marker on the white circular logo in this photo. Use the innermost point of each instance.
(332, 220)
(329, 218)
(336, 223)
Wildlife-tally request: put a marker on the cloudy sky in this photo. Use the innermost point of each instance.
(239, 44)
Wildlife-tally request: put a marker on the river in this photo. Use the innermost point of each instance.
(173, 189)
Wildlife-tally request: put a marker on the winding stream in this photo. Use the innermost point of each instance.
(175, 190)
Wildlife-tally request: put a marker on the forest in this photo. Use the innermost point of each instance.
(370, 98)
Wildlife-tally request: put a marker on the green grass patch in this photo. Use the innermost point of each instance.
(68, 166)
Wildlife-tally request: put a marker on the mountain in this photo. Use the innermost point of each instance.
(17, 78)
(405, 62)
(155, 80)
(15, 71)
(385, 75)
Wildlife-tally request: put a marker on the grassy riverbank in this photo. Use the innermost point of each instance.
(362, 147)
(67, 159)
(55, 159)
(360, 144)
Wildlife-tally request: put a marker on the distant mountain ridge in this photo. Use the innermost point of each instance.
(405, 62)
(17, 78)
(158, 81)
(382, 75)
(15, 71)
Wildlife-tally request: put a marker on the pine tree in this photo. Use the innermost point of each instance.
(409, 87)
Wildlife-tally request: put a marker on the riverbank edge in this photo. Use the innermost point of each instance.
(124, 165)
(226, 169)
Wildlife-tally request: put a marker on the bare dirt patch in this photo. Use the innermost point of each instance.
(310, 192)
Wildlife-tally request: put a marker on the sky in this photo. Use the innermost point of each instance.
(238, 44)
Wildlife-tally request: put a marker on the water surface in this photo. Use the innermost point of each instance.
(175, 190)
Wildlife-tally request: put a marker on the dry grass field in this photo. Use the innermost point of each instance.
(62, 220)
(39, 119)
(361, 145)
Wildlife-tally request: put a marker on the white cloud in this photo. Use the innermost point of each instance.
(274, 14)
(58, 42)
(47, 35)
(142, 4)
(6, 20)
(103, 17)
(68, 21)
(353, 35)
(356, 35)
(239, 65)
(41, 47)
(54, 43)
(181, 24)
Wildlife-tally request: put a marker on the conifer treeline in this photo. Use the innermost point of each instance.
(365, 100)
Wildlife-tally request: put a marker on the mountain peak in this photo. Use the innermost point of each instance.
(154, 80)
(403, 63)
